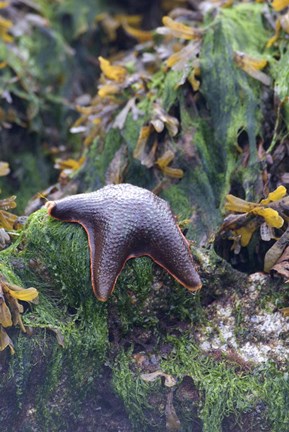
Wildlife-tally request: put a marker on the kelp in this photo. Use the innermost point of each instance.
(221, 61)
(142, 109)
(7, 219)
(260, 239)
(11, 309)
(23, 65)
(40, 77)
(268, 216)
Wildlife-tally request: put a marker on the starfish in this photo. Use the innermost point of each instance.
(122, 222)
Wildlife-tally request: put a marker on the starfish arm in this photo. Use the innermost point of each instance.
(108, 255)
(105, 269)
(170, 250)
(75, 208)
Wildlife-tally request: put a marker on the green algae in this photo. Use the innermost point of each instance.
(102, 159)
(134, 391)
(276, 393)
(87, 175)
(54, 257)
(69, 288)
(92, 175)
(67, 306)
(132, 290)
(233, 97)
(179, 201)
(137, 173)
(281, 89)
(280, 72)
(130, 132)
(225, 390)
(69, 327)
(32, 175)
(171, 89)
(197, 195)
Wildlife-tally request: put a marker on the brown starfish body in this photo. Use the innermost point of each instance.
(122, 222)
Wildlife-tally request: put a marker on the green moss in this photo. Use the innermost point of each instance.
(68, 308)
(61, 251)
(276, 393)
(53, 257)
(7, 271)
(46, 243)
(224, 389)
(134, 391)
(146, 295)
(132, 291)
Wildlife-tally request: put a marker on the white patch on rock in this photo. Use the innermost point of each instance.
(238, 325)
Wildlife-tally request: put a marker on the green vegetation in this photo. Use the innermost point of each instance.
(190, 128)
(232, 95)
(224, 388)
(69, 327)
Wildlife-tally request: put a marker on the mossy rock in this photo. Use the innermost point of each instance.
(80, 352)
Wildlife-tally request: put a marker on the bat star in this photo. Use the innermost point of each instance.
(122, 222)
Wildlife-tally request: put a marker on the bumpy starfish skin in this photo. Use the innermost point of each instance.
(122, 222)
